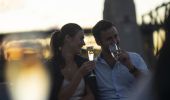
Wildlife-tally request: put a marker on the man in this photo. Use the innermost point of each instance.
(115, 77)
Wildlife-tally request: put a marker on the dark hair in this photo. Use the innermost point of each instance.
(102, 25)
(58, 37)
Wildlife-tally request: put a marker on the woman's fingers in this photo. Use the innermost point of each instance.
(87, 67)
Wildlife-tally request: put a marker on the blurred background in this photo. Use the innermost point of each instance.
(26, 26)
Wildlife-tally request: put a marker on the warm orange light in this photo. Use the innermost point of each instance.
(27, 77)
(13, 53)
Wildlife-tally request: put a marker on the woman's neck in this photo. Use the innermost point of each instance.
(67, 54)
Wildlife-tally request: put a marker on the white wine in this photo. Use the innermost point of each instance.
(90, 52)
(90, 55)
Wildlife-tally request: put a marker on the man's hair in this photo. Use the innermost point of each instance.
(102, 25)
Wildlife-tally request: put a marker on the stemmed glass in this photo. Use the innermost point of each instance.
(114, 50)
(24, 67)
(90, 51)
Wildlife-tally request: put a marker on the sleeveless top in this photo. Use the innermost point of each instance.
(79, 92)
(57, 78)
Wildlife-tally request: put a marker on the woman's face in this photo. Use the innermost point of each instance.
(77, 42)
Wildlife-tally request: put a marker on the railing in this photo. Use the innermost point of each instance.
(154, 31)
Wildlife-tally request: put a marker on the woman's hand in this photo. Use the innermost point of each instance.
(66, 93)
(86, 67)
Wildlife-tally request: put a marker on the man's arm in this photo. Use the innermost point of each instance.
(135, 69)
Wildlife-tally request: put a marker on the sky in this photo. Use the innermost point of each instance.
(27, 15)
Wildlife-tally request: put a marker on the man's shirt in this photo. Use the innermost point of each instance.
(115, 82)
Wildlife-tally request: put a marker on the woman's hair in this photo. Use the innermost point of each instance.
(57, 40)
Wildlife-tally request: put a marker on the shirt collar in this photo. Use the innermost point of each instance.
(99, 58)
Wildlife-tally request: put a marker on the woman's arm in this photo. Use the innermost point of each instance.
(66, 93)
(89, 95)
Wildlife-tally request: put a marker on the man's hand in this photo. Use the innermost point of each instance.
(124, 58)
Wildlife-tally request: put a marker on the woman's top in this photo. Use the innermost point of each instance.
(79, 92)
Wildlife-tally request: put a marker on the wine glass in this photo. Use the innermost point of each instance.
(114, 50)
(24, 67)
(90, 51)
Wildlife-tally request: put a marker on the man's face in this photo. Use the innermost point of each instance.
(108, 37)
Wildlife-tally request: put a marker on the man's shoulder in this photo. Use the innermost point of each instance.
(134, 54)
(138, 61)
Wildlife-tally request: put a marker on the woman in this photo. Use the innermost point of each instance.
(67, 67)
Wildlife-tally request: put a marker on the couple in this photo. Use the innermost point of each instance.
(70, 72)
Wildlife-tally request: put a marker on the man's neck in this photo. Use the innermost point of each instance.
(108, 58)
